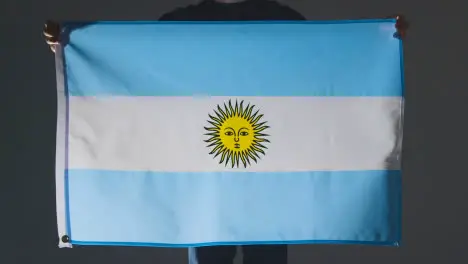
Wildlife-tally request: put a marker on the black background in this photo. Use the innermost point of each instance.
(434, 152)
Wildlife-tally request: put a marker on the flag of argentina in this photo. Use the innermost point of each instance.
(190, 134)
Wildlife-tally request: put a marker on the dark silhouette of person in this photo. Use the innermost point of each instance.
(232, 10)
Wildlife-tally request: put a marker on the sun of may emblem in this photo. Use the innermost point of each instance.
(237, 134)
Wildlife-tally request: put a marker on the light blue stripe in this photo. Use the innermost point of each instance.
(176, 209)
(234, 59)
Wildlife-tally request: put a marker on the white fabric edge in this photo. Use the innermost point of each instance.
(60, 148)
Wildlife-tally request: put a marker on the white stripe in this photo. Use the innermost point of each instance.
(166, 133)
(60, 147)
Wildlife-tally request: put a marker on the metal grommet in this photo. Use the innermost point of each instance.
(65, 239)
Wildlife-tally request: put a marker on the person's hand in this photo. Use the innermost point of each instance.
(51, 34)
(401, 26)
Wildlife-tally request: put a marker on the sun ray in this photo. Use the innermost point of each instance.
(243, 158)
(257, 118)
(261, 129)
(252, 155)
(217, 120)
(252, 117)
(241, 108)
(248, 111)
(223, 156)
(227, 111)
(211, 139)
(257, 149)
(212, 129)
(260, 145)
(228, 157)
(234, 159)
(213, 134)
(231, 109)
(251, 151)
(220, 152)
(217, 148)
(259, 125)
(219, 115)
(256, 140)
(223, 114)
(216, 143)
(236, 134)
(247, 158)
(213, 123)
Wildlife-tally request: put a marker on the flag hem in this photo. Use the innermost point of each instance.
(61, 157)
(240, 243)
(400, 143)
(76, 24)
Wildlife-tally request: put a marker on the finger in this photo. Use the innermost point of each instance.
(48, 34)
(51, 30)
(51, 42)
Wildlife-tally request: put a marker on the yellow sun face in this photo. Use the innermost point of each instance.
(237, 134)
